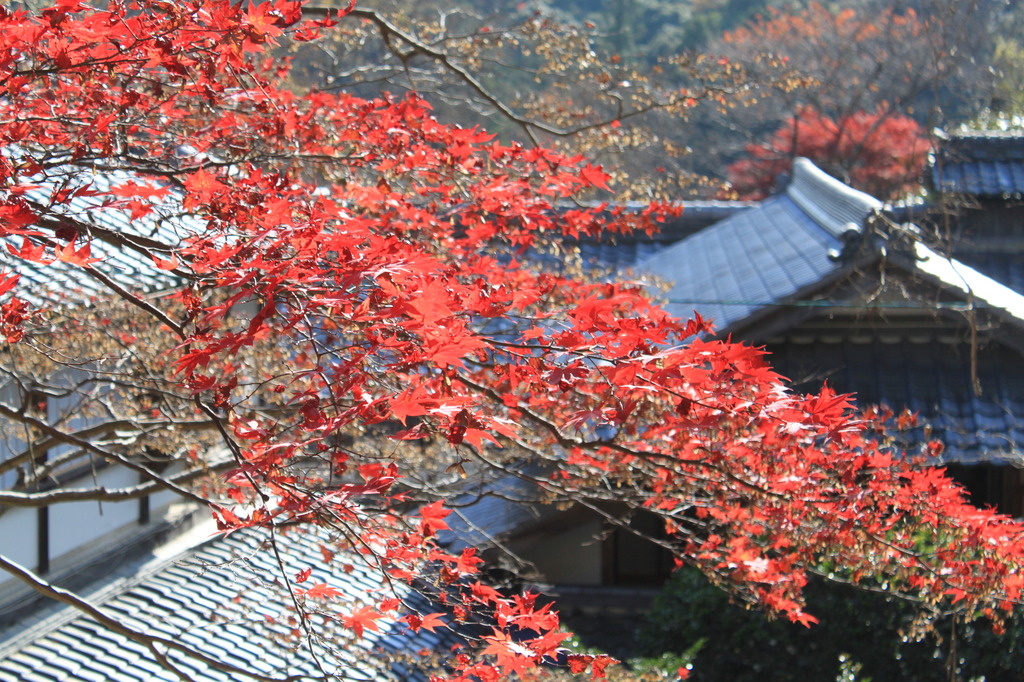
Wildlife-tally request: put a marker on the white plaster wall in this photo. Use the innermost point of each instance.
(76, 524)
(161, 501)
(18, 535)
(17, 543)
(78, 530)
(163, 498)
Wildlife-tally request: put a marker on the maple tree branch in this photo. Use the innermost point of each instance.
(140, 427)
(236, 453)
(69, 439)
(104, 494)
(568, 442)
(302, 614)
(138, 243)
(388, 29)
(135, 300)
(588, 499)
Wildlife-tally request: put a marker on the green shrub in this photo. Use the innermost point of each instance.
(859, 638)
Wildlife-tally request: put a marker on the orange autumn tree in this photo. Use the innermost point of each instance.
(849, 70)
(355, 319)
(880, 153)
(850, 58)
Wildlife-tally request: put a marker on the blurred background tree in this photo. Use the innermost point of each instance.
(877, 152)
(668, 94)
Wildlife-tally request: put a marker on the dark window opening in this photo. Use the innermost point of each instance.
(990, 485)
(633, 558)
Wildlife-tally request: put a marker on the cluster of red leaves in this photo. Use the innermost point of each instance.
(881, 153)
(393, 287)
(13, 314)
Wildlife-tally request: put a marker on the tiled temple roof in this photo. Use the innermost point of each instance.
(982, 164)
(225, 599)
(978, 416)
(766, 255)
(783, 254)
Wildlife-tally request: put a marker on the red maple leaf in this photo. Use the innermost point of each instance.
(202, 185)
(68, 254)
(14, 218)
(323, 591)
(428, 622)
(595, 176)
(365, 618)
(139, 190)
(7, 282)
(433, 516)
(468, 562)
(512, 657)
(31, 252)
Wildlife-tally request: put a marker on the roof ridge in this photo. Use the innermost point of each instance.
(834, 205)
(968, 281)
(981, 133)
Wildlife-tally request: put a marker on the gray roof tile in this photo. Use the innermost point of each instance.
(618, 255)
(929, 377)
(490, 511)
(224, 578)
(1006, 267)
(753, 260)
(36, 676)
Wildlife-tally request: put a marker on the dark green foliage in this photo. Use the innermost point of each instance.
(863, 627)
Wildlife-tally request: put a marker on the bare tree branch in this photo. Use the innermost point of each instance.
(104, 494)
(109, 455)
